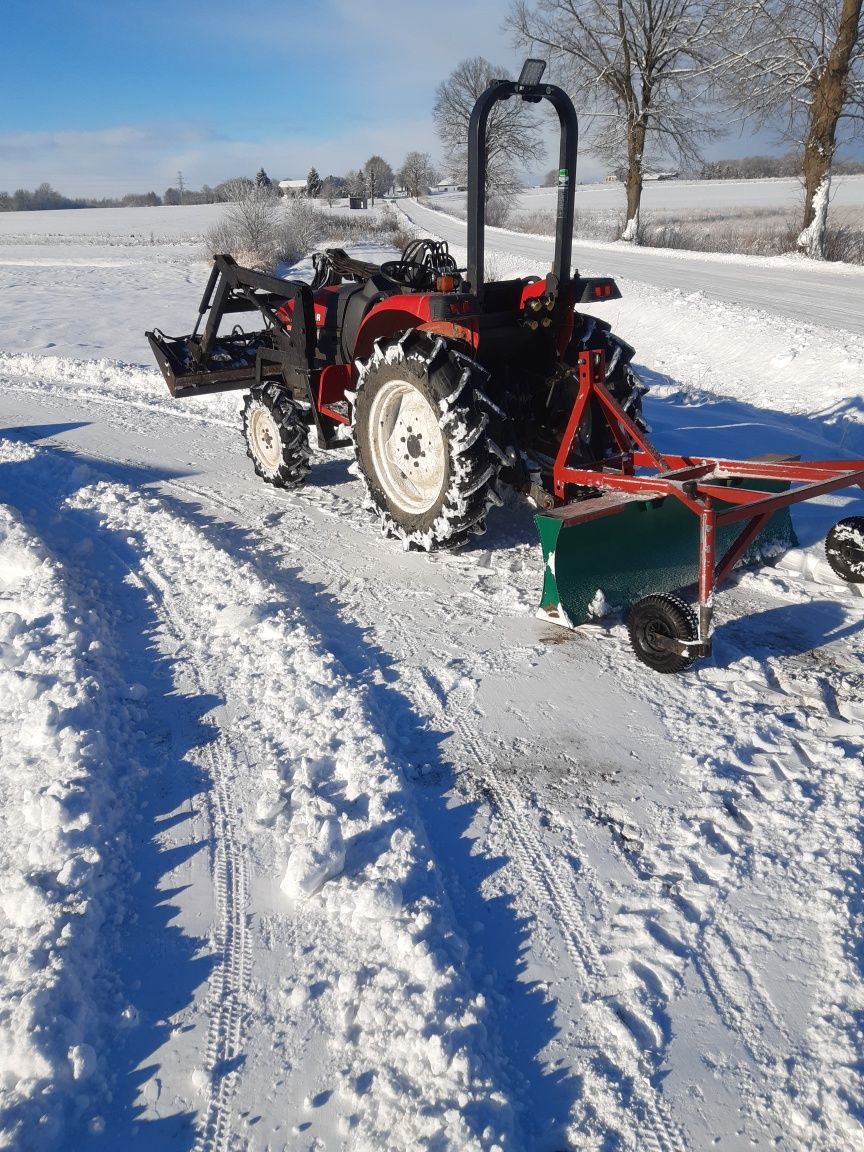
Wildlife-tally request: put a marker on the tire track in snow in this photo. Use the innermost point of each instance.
(551, 880)
(230, 980)
(433, 1094)
(659, 1130)
(229, 985)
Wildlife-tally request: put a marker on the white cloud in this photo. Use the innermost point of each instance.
(113, 161)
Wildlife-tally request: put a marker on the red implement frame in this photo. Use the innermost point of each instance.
(690, 479)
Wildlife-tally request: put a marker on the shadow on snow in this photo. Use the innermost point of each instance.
(151, 962)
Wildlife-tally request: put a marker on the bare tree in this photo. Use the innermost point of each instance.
(417, 174)
(379, 176)
(632, 62)
(512, 138)
(329, 190)
(802, 60)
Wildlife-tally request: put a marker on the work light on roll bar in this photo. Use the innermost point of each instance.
(532, 70)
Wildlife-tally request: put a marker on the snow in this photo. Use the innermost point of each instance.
(308, 842)
(731, 196)
(631, 229)
(811, 239)
(70, 771)
(789, 286)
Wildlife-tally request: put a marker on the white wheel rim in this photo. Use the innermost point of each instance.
(408, 447)
(264, 438)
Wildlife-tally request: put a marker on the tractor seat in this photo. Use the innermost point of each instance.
(355, 300)
(502, 295)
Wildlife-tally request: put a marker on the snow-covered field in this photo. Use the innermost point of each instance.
(309, 843)
(733, 198)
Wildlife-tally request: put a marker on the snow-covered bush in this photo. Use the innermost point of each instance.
(498, 209)
(249, 229)
(299, 230)
(260, 230)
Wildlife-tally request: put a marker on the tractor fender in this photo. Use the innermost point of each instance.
(387, 317)
(466, 332)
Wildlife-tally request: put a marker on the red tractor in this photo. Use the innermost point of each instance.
(447, 386)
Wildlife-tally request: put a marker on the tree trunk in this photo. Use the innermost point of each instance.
(829, 94)
(635, 154)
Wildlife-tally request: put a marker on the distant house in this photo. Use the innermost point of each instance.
(292, 187)
(660, 176)
(450, 184)
(611, 179)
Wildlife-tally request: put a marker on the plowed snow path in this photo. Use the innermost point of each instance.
(657, 881)
(804, 290)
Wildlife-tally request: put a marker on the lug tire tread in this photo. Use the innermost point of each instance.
(472, 466)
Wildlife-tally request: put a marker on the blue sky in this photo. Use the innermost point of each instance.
(105, 98)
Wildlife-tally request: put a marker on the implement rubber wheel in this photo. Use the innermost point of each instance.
(844, 549)
(421, 444)
(655, 618)
(277, 441)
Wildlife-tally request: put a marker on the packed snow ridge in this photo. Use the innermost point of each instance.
(69, 723)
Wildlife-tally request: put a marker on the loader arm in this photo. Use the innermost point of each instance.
(206, 362)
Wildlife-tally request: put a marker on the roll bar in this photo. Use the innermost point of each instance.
(533, 93)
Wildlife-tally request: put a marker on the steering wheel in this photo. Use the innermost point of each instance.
(409, 274)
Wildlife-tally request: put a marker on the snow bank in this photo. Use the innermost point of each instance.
(66, 724)
(103, 380)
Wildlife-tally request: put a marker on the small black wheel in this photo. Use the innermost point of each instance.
(277, 440)
(844, 549)
(655, 619)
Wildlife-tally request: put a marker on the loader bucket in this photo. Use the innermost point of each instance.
(230, 364)
(642, 547)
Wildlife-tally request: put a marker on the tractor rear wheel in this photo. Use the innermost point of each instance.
(277, 440)
(421, 443)
(844, 549)
(590, 333)
(655, 620)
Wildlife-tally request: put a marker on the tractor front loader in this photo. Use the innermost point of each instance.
(450, 387)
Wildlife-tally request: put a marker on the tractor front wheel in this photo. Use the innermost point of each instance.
(277, 440)
(654, 624)
(421, 443)
(844, 549)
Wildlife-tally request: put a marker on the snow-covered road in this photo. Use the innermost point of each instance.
(795, 288)
(310, 843)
